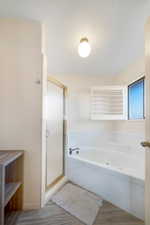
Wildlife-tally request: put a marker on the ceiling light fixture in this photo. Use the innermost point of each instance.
(84, 48)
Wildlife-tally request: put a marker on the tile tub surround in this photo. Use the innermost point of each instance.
(90, 138)
(122, 141)
(112, 142)
(122, 190)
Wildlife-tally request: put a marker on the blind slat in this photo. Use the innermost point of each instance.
(108, 102)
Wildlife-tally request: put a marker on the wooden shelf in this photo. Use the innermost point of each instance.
(10, 190)
(11, 185)
(6, 157)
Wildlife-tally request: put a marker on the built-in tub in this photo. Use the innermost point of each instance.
(116, 176)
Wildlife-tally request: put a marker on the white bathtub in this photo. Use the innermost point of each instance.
(114, 175)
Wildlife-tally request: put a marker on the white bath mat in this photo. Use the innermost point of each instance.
(78, 202)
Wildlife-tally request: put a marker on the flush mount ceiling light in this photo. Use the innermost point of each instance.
(84, 48)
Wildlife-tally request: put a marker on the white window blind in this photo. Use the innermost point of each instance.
(109, 103)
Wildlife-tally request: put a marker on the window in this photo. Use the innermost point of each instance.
(109, 103)
(136, 100)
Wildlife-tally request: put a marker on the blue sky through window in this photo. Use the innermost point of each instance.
(136, 100)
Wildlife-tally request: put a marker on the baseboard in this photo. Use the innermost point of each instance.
(30, 206)
(55, 188)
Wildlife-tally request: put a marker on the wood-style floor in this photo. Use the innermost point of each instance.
(111, 215)
(54, 215)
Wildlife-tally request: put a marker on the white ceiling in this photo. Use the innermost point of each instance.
(115, 29)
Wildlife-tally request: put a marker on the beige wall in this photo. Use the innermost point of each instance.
(21, 99)
(132, 72)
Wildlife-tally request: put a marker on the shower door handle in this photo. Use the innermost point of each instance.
(145, 144)
(47, 133)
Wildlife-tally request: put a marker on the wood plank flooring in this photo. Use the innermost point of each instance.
(49, 215)
(112, 215)
(54, 215)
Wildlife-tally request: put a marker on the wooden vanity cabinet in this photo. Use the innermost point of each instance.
(11, 186)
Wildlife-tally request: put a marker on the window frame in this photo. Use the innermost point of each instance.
(140, 79)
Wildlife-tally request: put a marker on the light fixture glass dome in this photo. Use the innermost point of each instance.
(84, 48)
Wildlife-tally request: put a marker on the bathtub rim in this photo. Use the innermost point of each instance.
(137, 179)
